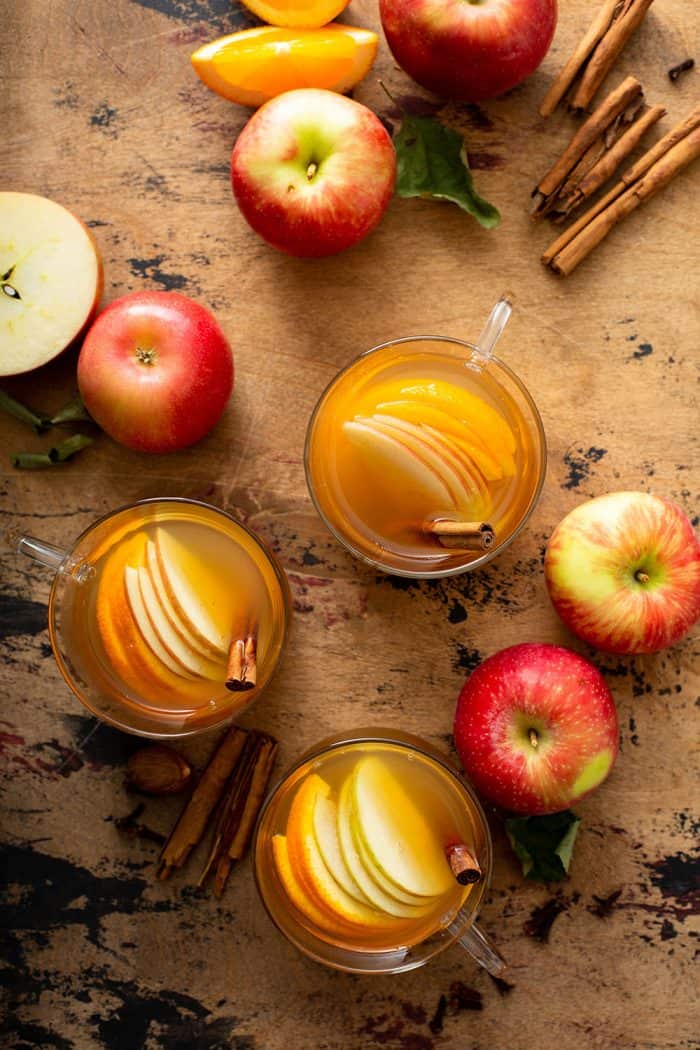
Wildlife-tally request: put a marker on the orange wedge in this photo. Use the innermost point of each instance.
(297, 14)
(254, 65)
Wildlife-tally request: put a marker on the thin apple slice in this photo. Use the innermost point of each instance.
(51, 280)
(430, 415)
(387, 454)
(187, 577)
(397, 903)
(474, 480)
(297, 893)
(433, 456)
(178, 650)
(325, 820)
(143, 622)
(395, 832)
(307, 861)
(176, 622)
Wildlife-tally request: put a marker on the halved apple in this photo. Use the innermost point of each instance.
(189, 659)
(50, 280)
(395, 832)
(387, 454)
(397, 903)
(307, 861)
(187, 577)
(325, 821)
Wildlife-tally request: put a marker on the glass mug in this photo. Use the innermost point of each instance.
(166, 617)
(425, 456)
(455, 813)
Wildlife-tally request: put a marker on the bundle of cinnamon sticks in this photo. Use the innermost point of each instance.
(659, 165)
(234, 784)
(595, 55)
(595, 152)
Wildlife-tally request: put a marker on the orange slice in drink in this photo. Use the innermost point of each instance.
(299, 14)
(254, 65)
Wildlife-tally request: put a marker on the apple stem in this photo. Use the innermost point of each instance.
(311, 170)
(534, 738)
(641, 576)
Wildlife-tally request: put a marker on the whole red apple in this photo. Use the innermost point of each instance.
(469, 50)
(155, 371)
(536, 728)
(313, 172)
(623, 572)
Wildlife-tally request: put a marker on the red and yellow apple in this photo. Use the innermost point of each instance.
(50, 280)
(313, 172)
(536, 728)
(469, 50)
(155, 371)
(623, 572)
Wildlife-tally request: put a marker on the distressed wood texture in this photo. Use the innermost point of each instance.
(101, 110)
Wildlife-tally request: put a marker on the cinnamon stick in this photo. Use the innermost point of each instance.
(242, 667)
(600, 63)
(595, 32)
(191, 823)
(461, 535)
(464, 865)
(597, 223)
(612, 26)
(625, 100)
(638, 170)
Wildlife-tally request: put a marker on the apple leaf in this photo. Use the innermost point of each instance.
(432, 162)
(544, 844)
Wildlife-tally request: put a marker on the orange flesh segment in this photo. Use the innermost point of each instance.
(309, 14)
(257, 64)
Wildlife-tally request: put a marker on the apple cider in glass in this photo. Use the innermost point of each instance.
(174, 616)
(418, 440)
(357, 849)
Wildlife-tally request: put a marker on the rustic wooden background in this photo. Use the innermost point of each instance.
(101, 110)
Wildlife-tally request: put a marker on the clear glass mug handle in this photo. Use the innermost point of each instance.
(481, 948)
(45, 553)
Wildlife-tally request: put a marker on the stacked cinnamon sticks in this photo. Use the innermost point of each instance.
(609, 136)
(234, 784)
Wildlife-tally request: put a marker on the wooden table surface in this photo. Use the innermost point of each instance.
(101, 110)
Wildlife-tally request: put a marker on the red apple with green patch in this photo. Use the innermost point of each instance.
(469, 50)
(313, 172)
(536, 728)
(155, 371)
(623, 572)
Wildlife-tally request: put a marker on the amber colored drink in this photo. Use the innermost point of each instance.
(352, 850)
(147, 617)
(417, 432)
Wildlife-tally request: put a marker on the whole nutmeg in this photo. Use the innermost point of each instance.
(157, 770)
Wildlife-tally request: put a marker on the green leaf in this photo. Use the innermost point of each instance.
(544, 845)
(19, 411)
(58, 454)
(432, 162)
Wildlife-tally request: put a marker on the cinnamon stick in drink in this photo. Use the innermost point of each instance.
(242, 667)
(576, 244)
(463, 864)
(461, 535)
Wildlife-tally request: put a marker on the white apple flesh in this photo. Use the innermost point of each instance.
(50, 280)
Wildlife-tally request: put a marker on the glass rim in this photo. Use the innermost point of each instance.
(379, 735)
(65, 671)
(487, 556)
